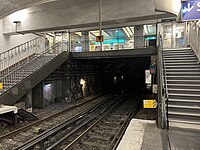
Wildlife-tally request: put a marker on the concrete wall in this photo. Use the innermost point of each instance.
(83, 13)
(9, 41)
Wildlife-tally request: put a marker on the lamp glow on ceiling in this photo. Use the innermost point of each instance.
(19, 16)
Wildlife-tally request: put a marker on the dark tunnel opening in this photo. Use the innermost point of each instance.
(123, 74)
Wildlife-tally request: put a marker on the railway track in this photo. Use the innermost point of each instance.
(99, 128)
(107, 131)
(21, 135)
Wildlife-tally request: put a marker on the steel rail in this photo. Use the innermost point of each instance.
(31, 143)
(104, 113)
(47, 118)
(115, 142)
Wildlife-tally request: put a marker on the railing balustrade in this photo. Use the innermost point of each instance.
(14, 61)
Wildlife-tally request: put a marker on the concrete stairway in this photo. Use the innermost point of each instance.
(20, 81)
(16, 76)
(183, 79)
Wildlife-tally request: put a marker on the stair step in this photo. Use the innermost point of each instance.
(176, 89)
(184, 114)
(189, 110)
(180, 61)
(177, 94)
(181, 58)
(184, 107)
(186, 69)
(184, 86)
(182, 64)
(183, 102)
(184, 96)
(177, 49)
(183, 73)
(183, 77)
(183, 82)
(184, 124)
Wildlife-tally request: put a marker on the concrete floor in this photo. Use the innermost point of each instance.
(144, 135)
(141, 135)
(184, 139)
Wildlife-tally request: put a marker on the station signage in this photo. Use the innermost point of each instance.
(1, 85)
(191, 10)
(150, 103)
(99, 38)
(147, 77)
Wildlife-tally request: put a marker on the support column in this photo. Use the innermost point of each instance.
(138, 36)
(38, 96)
(28, 101)
(173, 34)
(85, 41)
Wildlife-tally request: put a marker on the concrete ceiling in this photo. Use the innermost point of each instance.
(9, 6)
(51, 15)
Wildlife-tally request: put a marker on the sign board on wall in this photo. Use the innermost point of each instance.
(1, 85)
(147, 77)
(191, 10)
(99, 38)
(149, 103)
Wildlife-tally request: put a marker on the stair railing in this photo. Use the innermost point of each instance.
(10, 74)
(15, 57)
(164, 98)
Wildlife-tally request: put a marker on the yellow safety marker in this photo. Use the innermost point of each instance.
(99, 38)
(149, 103)
(1, 86)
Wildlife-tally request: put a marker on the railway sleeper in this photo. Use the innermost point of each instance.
(97, 145)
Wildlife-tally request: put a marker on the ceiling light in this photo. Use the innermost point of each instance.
(126, 32)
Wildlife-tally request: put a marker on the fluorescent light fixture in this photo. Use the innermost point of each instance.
(145, 29)
(129, 31)
(104, 33)
(79, 33)
(126, 32)
(96, 33)
(132, 29)
(48, 85)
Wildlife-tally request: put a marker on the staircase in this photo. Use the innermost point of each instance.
(23, 67)
(183, 85)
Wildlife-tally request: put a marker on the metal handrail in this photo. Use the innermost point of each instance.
(13, 57)
(166, 94)
(163, 93)
(51, 51)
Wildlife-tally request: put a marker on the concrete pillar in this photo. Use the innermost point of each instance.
(138, 36)
(173, 34)
(28, 101)
(38, 96)
(85, 41)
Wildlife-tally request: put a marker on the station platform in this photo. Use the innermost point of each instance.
(141, 135)
(144, 135)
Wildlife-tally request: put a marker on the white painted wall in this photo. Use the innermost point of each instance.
(83, 12)
(7, 42)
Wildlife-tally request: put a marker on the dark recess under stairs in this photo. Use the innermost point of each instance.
(183, 82)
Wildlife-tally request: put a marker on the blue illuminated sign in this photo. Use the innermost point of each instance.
(111, 41)
(191, 10)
